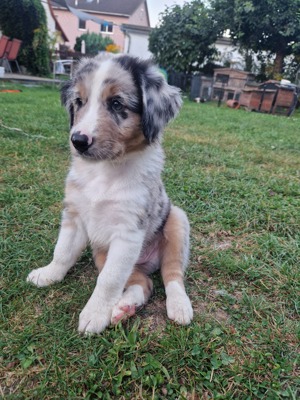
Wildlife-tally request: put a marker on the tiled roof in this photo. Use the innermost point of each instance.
(114, 7)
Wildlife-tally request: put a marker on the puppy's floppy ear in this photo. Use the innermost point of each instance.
(65, 95)
(161, 102)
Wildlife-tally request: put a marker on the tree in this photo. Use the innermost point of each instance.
(185, 37)
(93, 43)
(262, 25)
(26, 20)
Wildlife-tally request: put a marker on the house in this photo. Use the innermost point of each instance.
(108, 18)
(229, 53)
(54, 28)
(137, 40)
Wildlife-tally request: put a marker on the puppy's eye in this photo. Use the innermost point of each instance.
(116, 105)
(78, 102)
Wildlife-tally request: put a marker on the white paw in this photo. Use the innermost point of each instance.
(179, 308)
(45, 276)
(95, 317)
(133, 297)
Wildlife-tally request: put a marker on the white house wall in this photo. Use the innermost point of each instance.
(137, 45)
(50, 19)
(229, 53)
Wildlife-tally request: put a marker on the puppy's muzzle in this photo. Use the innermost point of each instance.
(81, 142)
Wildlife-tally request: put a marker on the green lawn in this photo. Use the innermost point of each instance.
(237, 175)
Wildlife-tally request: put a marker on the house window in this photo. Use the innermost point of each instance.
(82, 24)
(107, 27)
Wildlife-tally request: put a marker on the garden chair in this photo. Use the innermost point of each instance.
(63, 67)
(12, 52)
(7, 50)
(3, 44)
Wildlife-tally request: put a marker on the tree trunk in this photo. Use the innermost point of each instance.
(278, 63)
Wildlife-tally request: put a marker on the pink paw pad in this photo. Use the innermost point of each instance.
(126, 312)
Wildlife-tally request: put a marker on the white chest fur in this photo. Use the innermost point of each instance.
(111, 199)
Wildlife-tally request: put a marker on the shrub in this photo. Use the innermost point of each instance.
(93, 43)
(26, 20)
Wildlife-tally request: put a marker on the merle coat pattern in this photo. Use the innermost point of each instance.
(115, 200)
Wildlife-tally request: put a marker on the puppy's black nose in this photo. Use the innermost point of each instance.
(80, 142)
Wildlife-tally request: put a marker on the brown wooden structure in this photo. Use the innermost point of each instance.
(229, 83)
(270, 97)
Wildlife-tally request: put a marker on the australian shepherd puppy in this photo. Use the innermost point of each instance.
(114, 196)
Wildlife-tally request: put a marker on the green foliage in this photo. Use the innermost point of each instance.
(26, 20)
(185, 37)
(93, 43)
(262, 25)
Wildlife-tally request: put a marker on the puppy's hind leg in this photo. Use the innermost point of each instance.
(175, 254)
(137, 292)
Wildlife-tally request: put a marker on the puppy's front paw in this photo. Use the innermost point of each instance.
(44, 276)
(132, 298)
(94, 318)
(179, 307)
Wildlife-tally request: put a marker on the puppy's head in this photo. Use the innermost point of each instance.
(117, 105)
